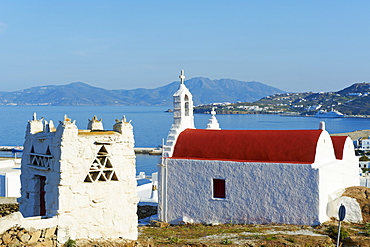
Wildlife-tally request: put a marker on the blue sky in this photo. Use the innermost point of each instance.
(292, 45)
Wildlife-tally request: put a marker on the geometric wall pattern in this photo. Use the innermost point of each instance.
(101, 169)
(41, 160)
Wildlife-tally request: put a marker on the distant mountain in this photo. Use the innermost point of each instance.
(204, 90)
(352, 100)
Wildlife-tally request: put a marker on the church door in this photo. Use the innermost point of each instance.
(42, 196)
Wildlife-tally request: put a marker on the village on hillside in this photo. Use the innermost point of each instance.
(78, 186)
(352, 101)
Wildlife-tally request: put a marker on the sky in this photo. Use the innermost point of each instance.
(296, 46)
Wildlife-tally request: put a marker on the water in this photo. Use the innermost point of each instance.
(152, 123)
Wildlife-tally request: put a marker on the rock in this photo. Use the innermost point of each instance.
(34, 236)
(362, 196)
(24, 238)
(15, 243)
(159, 224)
(7, 238)
(50, 232)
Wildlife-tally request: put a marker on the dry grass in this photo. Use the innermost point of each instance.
(251, 235)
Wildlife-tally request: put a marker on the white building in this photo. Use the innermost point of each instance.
(255, 176)
(365, 144)
(9, 178)
(85, 179)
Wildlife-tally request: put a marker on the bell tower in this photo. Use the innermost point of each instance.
(182, 115)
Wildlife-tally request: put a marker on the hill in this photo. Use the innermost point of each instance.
(353, 100)
(204, 90)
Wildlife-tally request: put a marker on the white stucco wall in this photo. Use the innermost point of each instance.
(255, 192)
(336, 175)
(10, 183)
(97, 209)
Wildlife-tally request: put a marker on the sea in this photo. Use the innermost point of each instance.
(152, 123)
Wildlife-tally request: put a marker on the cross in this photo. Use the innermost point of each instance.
(182, 76)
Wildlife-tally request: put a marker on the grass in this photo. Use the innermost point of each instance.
(192, 231)
(240, 235)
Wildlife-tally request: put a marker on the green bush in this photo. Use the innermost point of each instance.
(367, 229)
(364, 158)
(226, 241)
(174, 240)
(333, 232)
(70, 243)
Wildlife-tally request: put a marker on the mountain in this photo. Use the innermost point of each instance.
(353, 100)
(204, 90)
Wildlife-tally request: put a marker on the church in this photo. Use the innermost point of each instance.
(250, 176)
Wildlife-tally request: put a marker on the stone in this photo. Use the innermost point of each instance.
(24, 238)
(47, 243)
(34, 236)
(159, 224)
(7, 238)
(49, 233)
(15, 243)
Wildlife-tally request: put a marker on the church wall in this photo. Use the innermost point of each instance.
(255, 192)
(336, 176)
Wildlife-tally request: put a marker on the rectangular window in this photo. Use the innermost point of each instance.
(219, 188)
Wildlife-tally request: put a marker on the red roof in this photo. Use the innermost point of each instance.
(338, 143)
(281, 146)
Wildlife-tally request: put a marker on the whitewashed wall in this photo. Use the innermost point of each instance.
(99, 209)
(255, 192)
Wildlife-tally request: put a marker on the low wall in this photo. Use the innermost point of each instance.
(35, 231)
(18, 236)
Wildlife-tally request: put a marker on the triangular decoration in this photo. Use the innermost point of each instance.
(101, 170)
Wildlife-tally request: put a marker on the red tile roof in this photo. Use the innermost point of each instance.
(281, 146)
(338, 143)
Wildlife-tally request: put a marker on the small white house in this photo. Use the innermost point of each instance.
(9, 178)
(85, 179)
(254, 176)
(365, 144)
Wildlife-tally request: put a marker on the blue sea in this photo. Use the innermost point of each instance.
(152, 123)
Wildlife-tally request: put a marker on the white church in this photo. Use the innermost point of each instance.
(250, 176)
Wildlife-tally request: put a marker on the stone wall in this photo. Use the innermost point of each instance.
(17, 236)
(146, 211)
(9, 208)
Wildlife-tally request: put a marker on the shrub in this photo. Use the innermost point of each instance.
(333, 232)
(226, 241)
(367, 229)
(174, 240)
(70, 243)
(364, 158)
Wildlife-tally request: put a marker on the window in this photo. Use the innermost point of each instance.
(219, 188)
(187, 105)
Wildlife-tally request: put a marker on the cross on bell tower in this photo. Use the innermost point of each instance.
(182, 76)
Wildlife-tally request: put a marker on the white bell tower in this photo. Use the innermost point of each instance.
(182, 115)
